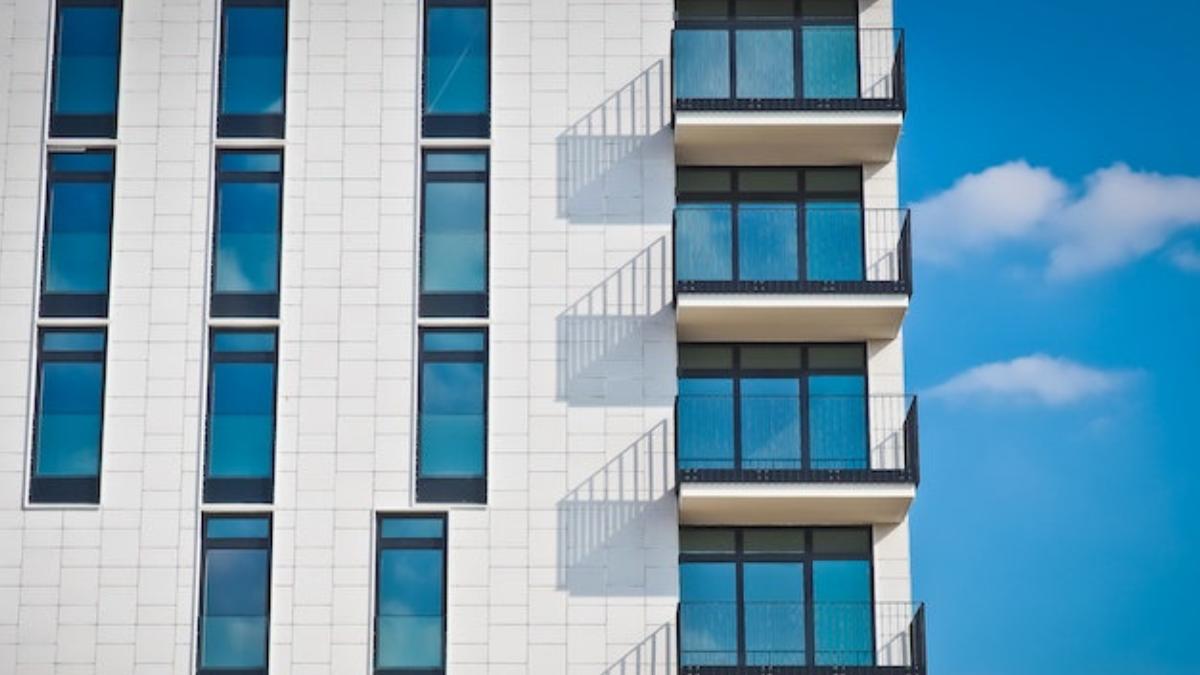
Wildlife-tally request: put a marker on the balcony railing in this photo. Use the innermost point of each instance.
(794, 439)
(725, 65)
(782, 248)
(730, 638)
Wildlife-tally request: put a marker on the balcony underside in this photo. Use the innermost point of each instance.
(763, 138)
(793, 504)
(733, 317)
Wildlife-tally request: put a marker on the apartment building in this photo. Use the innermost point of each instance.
(454, 336)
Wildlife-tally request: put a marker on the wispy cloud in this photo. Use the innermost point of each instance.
(1186, 257)
(1118, 215)
(1038, 378)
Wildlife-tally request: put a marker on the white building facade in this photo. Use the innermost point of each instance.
(454, 336)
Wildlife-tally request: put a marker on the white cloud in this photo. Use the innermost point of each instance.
(1118, 215)
(1038, 377)
(1186, 257)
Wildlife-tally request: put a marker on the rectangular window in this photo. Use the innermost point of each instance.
(253, 68)
(789, 226)
(240, 448)
(410, 595)
(77, 240)
(69, 416)
(775, 597)
(87, 55)
(249, 209)
(452, 422)
(457, 69)
(454, 234)
(235, 594)
(772, 407)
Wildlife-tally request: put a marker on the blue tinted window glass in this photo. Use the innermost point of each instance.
(247, 238)
(234, 625)
(238, 528)
(452, 420)
(770, 423)
(86, 67)
(701, 64)
(68, 425)
(830, 61)
(79, 222)
(705, 433)
(81, 161)
(773, 595)
(454, 237)
(704, 242)
(764, 64)
(767, 242)
(842, 615)
(837, 410)
(708, 614)
(243, 341)
(453, 341)
(252, 72)
(456, 66)
(412, 528)
(410, 608)
(267, 162)
(73, 341)
(241, 420)
(456, 161)
(834, 245)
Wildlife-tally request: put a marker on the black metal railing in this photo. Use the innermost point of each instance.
(761, 638)
(794, 439)
(777, 248)
(790, 66)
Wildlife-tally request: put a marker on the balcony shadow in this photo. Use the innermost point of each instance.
(616, 343)
(652, 656)
(603, 156)
(611, 526)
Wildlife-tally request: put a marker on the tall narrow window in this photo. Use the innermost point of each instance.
(87, 49)
(457, 68)
(253, 68)
(247, 232)
(410, 595)
(240, 457)
(78, 233)
(452, 426)
(69, 416)
(454, 232)
(235, 594)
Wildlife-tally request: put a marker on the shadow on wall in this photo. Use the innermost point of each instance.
(652, 656)
(611, 526)
(601, 168)
(617, 343)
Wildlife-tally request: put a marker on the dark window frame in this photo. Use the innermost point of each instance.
(435, 125)
(736, 373)
(452, 305)
(75, 305)
(84, 126)
(801, 198)
(234, 543)
(67, 490)
(240, 490)
(739, 557)
(452, 490)
(246, 305)
(251, 126)
(732, 23)
(384, 543)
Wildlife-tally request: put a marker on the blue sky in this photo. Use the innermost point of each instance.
(1052, 157)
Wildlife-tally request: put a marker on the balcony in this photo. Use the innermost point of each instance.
(777, 272)
(769, 91)
(770, 638)
(795, 460)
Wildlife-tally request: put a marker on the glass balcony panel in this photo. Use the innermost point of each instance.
(842, 613)
(770, 424)
(701, 64)
(708, 614)
(767, 242)
(838, 422)
(704, 242)
(705, 424)
(765, 64)
(773, 597)
(834, 241)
